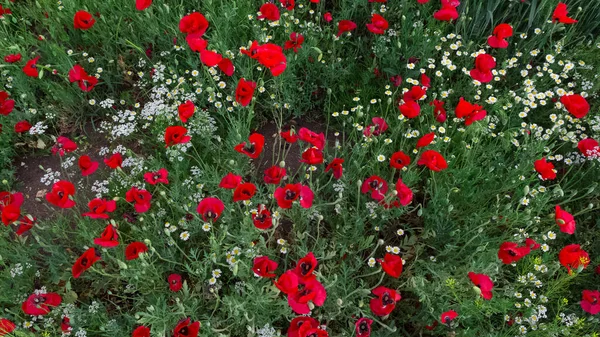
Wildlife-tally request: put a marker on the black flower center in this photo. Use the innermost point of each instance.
(386, 299)
(290, 195)
(305, 267)
(363, 327)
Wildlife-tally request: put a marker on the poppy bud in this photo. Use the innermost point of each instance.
(360, 113)
(477, 290)
(592, 188)
(558, 191)
(282, 163)
(340, 302)
(163, 193)
(231, 162)
(380, 242)
(147, 242)
(359, 183)
(590, 206)
(122, 264)
(526, 189)
(5, 182)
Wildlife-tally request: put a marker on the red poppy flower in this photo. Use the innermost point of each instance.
(363, 327)
(327, 17)
(499, 35)
(140, 197)
(159, 177)
(286, 195)
(290, 136)
(345, 26)
(83, 20)
(86, 82)
(269, 55)
(439, 112)
(176, 135)
(12, 58)
(39, 304)
(295, 42)
(589, 147)
(399, 159)
(306, 329)
(264, 267)
(573, 257)
(21, 126)
(115, 161)
(336, 167)
(6, 105)
(186, 328)
(210, 58)
(193, 23)
(269, 11)
(433, 160)
(484, 64)
(315, 139)
(448, 316)
(141, 331)
(6, 327)
(560, 14)
(274, 175)
(378, 127)
(392, 265)
(306, 266)
(483, 283)
(312, 156)
(376, 186)
(210, 209)
(590, 301)
(262, 218)
(7, 198)
(30, 69)
(297, 322)
(576, 105)
(134, 249)
(288, 4)
(230, 181)
(61, 194)
(309, 290)
(99, 207)
(244, 92)
(140, 5)
(529, 242)
(186, 110)
(63, 145)
(545, 169)
(253, 148)
(425, 140)
(378, 24)
(287, 283)
(385, 302)
(410, 109)
(65, 325)
(226, 66)
(85, 262)
(175, 283)
(564, 220)
(109, 237)
(510, 252)
(196, 42)
(471, 112)
(244, 191)
(415, 93)
(448, 12)
(403, 195)
(10, 213)
(425, 81)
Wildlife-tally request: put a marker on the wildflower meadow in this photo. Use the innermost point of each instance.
(300, 168)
